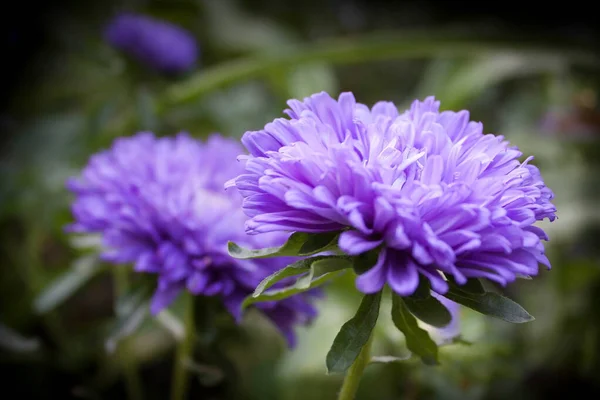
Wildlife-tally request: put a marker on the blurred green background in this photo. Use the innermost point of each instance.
(77, 95)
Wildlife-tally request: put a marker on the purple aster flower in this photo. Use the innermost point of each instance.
(158, 44)
(428, 188)
(159, 204)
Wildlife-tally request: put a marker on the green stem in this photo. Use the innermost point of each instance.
(186, 346)
(352, 379)
(133, 381)
(367, 48)
(132, 377)
(359, 49)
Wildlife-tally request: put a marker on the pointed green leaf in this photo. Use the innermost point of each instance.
(63, 287)
(298, 244)
(321, 269)
(472, 286)
(429, 310)
(289, 291)
(417, 339)
(298, 268)
(491, 304)
(365, 261)
(423, 290)
(353, 335)
(304, 282)
(318, 243)
(322, 266)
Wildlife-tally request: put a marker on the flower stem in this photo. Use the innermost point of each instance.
(372, 47)
(186, 346)
(352, 379)
(133, 381)
(132, 378)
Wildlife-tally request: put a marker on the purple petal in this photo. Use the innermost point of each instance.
(197, 283)
(163, 298)
(354, 243)
(403, 279)
(374, 279)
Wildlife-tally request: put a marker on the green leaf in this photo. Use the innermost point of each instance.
(317, 242)
(472, 286)
(429, 310)
(327, 265)
(289, 291)
(491, 304)
(365, 261)
(297, 268)
(320, 270)
(423, 290)
(322, 266)
(353, 335)
(132, 309)
(298, 244)
(63, 287)
(417, 339)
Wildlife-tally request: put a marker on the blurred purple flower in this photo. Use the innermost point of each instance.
(159, 203)
(158, 44)
(427, 186)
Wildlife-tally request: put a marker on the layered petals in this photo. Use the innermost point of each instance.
(159, 205)
(427, 189)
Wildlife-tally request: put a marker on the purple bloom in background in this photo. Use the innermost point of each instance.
(159, 204)
(429, 187)
(161, 45)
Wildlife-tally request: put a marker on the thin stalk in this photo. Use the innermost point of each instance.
(355, 372)
(368, 48)
(133, 380)
(186, 346)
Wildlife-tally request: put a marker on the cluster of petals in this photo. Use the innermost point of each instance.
(425, 188)
(159, 204)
